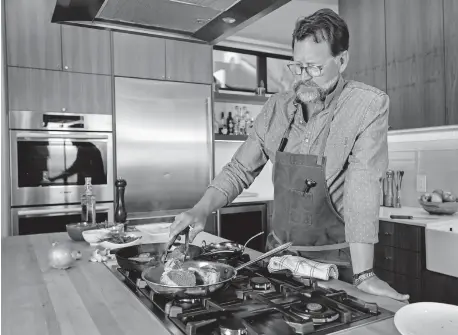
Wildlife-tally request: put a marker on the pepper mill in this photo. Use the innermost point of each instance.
(388, 196)
(120, 214)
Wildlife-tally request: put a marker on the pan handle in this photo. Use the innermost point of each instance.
(249, 240)
(265, 255)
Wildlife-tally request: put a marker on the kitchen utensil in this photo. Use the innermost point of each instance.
(156, 250)
(152, 276)
(440, 208)
(226, 247)
(177, 237)
(398, 184)
(409, 217)
(426, 318)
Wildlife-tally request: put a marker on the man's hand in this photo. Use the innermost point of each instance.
(193, 218)
(377, 286)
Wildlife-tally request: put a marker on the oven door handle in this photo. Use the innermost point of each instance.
(57, 211)
(63, 135)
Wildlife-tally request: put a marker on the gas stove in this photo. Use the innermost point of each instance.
(258, 302)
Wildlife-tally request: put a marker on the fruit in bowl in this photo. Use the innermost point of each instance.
(439, 202)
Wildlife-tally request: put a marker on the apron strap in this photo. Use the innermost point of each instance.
(316, 248)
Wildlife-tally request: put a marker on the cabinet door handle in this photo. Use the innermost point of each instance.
(388, 258)
(387, 233)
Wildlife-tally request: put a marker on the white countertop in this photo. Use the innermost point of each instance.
(420, 217)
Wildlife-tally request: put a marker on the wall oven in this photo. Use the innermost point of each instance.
(51, 219)
(52, 153)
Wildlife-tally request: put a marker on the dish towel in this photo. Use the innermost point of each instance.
(303, 267)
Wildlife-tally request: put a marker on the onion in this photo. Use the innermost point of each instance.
(61, 256)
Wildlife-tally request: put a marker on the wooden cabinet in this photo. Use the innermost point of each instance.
(189, 62)
(32, 40)
(367, 45)
(57, 91)
(400, 260)
(154, 58)
(86, 50)
(138, 56)
(415, 63)
(451, 60)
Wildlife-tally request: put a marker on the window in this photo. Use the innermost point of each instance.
(279, 77)
(235, 71)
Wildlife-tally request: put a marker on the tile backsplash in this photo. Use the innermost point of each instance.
(432, 152)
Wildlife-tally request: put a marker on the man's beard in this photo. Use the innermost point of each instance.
(308, 91)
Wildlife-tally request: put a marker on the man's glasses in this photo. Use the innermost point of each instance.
(313, 70)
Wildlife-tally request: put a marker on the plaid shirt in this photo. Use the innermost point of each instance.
(356, 151)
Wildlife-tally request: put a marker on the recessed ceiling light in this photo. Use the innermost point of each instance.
(228, 20)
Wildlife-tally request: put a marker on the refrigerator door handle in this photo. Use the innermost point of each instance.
(211, 160)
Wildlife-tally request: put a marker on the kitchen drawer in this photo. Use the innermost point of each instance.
(401, 283)
(398, 260)
(400, 235)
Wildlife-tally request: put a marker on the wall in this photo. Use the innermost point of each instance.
(432, 152)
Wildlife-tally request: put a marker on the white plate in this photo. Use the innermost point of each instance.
(427, 318)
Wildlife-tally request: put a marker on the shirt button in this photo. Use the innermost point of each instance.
(306, 140)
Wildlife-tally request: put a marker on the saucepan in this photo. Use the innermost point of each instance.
(226, 248)
(129, 258)
(152, 276)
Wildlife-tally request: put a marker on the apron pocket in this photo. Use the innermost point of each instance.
(299, 210)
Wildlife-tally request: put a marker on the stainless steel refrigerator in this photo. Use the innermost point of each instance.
(164, 145)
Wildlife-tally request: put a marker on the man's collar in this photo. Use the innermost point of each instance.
(335, 93)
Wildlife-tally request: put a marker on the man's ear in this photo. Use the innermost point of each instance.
(343, 59)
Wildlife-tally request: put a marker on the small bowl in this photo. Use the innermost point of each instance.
(440, 208)
(93, 237)
(75, 230)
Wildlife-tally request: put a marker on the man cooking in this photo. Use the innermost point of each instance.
(327, 139)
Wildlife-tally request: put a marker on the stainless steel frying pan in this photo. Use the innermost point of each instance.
(152, 276)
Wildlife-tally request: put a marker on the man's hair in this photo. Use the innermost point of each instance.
(323, 25)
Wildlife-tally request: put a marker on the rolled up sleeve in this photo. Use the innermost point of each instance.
(367, 163)
(248, 161)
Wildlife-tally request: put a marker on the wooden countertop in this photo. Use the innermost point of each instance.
(88, 299)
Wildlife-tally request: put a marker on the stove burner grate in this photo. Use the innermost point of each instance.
(260, 284)
(319, 313)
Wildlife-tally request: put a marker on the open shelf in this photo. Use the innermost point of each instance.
(240, 98)
(219, 137)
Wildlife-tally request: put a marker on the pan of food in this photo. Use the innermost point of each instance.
(193, 278)
(139, 257)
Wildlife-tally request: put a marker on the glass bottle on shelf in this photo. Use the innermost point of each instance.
(88, 203)
(222, 123)
(230, 124)
(247, 119)
(237, 121)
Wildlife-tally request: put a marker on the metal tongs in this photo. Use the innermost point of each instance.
(185, 232)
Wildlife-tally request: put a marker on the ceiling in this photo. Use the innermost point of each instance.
(275, 29)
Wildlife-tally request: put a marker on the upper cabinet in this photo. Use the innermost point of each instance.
(409, 49)
(451, 60)
(415, 63)
(138, 56)
(34, 42)
(58, 91)
(367, 46)
(188, 62)
(155, 58)
(86, 50)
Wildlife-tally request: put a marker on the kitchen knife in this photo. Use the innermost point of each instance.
(409, 217)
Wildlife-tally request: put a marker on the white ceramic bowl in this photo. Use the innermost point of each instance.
(93, 237)
(110, 245)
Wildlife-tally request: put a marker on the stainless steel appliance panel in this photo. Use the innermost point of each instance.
(38, 156)
(163, 143)
(35, 220)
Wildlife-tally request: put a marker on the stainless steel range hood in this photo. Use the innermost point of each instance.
(209, 21)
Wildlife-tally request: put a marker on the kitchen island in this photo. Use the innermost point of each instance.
(88, 299)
